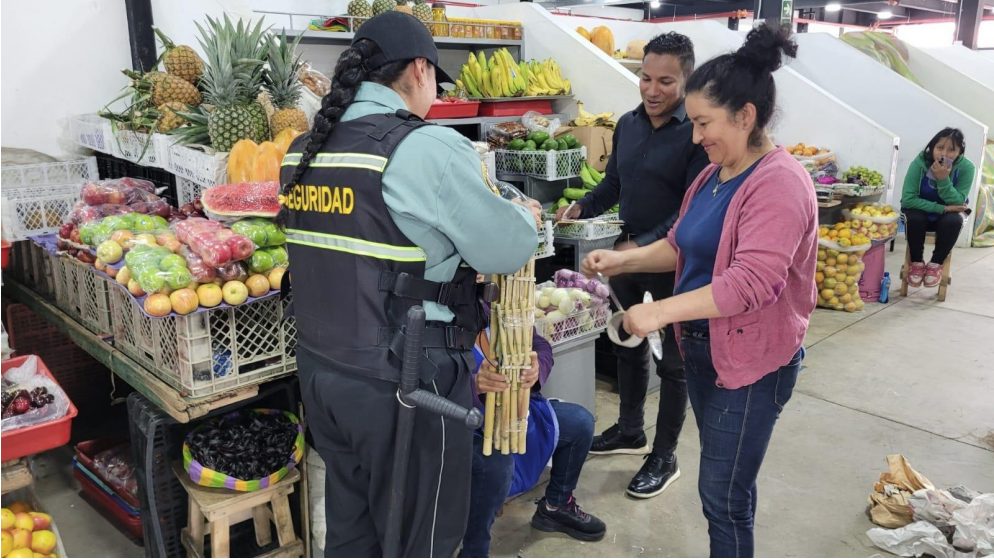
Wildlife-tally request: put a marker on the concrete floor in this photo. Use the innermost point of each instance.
(912, 377)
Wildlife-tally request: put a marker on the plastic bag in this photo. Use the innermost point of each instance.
(535, 121)
(82, 213)
(502, 134)
(130, 225)
(117, 465)
(316, 82)
(155, 268)
(45, 398)
(876, 221)
(268, 239)
(214, 243)
(820, 165)
(837, 276)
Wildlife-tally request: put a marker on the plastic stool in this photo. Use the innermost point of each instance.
(214, 511)
(947, 277)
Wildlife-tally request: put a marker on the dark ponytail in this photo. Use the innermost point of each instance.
(350, 72)
(746, 75)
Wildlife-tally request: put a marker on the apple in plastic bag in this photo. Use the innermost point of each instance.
(241, 247)
(232, 271)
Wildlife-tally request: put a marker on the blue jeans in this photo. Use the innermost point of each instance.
(492, 475)
(735, 428)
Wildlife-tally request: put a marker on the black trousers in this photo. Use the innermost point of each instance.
(353, 421)
(947, 229)
(633, 369)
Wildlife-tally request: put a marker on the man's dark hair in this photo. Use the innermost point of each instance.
(676, 44)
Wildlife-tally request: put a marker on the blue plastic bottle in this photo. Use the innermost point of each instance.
(885, 288)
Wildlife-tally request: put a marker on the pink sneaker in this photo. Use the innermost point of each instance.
(933, 274)
(916, 274)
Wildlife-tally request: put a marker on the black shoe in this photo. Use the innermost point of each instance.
(613, 441)
(570, 520)
(654, 477)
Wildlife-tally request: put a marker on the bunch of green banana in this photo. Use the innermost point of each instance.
(586, 118)
(498, 76)
(545, 78)
(591, 177)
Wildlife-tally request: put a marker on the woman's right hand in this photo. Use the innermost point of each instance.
(489, 380)
(607, 262)
(956, 209)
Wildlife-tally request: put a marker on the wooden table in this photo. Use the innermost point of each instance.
(162, 395)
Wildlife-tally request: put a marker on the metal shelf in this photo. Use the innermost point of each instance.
(486, 119)
(337, 38)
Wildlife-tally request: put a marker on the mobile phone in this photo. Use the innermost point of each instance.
(947, 162)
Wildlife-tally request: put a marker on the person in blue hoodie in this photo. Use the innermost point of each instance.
(557, 430)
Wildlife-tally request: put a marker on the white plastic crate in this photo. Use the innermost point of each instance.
(64, 274)
(187, 190)
(208, 352)
(202, 168)
(37, 199)
(92, 131)
(592, 229)
(546, 246)
(136, 147)
(83, 294)
(31, 265)
(547, 165)
(575, 325)
(163, 143)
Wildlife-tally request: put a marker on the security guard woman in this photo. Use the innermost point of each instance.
(384, 211)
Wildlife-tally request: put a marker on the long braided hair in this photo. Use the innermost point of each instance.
(350, 72)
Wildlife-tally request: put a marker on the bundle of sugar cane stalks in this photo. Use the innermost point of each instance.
(512, 319)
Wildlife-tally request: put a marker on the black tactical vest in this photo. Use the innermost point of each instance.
(354, 273)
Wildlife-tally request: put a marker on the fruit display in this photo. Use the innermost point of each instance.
(282, 82)
(862, 176)
(360, 11)
(538, 140)
(268, 238)
(819, 162)
(591, 178)
(247, 199)
(180, 60)
(587, 118)
(99, 199)
(876, 221)
(217, 245)
(17, 401)
(844, 235)
(500, 76)
(570, 305)
(26, 533)
(802, 150)
(837, 277)
(600, 36)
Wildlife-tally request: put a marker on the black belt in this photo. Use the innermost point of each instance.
(449, 337)
(444, 293)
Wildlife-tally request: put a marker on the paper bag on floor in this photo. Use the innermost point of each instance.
(889, 500)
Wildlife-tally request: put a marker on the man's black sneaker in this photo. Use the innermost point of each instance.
(654, 477)
(613, 441)
(570, 520)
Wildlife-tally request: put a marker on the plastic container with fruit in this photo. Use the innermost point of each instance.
(37, 414)
(27, 530)
(877, 221)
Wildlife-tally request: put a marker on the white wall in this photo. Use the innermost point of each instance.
(910, 111)
(956, 74)
(59, 59)
(609, 12)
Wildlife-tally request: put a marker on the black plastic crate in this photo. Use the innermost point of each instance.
(110, 167)
(157, 441)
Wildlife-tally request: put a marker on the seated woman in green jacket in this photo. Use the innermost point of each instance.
(935, 199)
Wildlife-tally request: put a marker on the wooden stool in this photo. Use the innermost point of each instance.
(947, 277)
(216, 510)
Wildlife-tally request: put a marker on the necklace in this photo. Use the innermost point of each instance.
(717, 182)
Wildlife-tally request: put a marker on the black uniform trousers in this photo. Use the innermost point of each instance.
(353, 422)
(633, 369)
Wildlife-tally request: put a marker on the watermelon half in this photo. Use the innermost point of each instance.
(243, 199)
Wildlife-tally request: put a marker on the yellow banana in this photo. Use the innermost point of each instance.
(568, 86)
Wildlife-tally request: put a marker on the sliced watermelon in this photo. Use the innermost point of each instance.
(243, 199)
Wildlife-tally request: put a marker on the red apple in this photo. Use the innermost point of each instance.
(241, 247)
(41, 520)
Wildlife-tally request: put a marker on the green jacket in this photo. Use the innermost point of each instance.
(953, 194)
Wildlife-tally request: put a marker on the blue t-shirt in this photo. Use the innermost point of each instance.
(700, 232)
(927, 191)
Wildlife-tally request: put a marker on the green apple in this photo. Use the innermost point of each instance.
(110, 252)
(279, 255)
(172, 261)
(178, 278)
(144, 223)
(260, 261)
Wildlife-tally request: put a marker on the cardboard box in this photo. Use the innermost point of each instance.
(599, 142)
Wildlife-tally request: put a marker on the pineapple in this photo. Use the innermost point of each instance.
(195, 129)
(422, 11)
(381, 6)
(169, 116)
(403, 7)
(283, 84)
(181, 61)
(164, 88)
(360, 11)
(232, 81)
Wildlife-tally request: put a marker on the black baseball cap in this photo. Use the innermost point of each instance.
(400, 37)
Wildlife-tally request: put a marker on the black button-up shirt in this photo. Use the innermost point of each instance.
(648, 174)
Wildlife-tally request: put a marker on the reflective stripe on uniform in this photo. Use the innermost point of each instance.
(355, 246)
(352, 160)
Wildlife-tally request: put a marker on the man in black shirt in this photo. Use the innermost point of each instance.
(653, 163)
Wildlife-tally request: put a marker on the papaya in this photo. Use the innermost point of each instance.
(562, 145)
(266, 163)
(583, 32)
(516, 144)
(241, 160)
(538, 136)
(604, 39)
(571, 140)
(549, 145)
(285, 137)
(530, 146)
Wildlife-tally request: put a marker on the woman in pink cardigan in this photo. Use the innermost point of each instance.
(744, 251)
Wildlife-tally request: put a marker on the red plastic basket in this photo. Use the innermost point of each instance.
(6, 254)
(131, 523)
(444, 109)
(516, 108)
(35, 438)
(87, 450)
